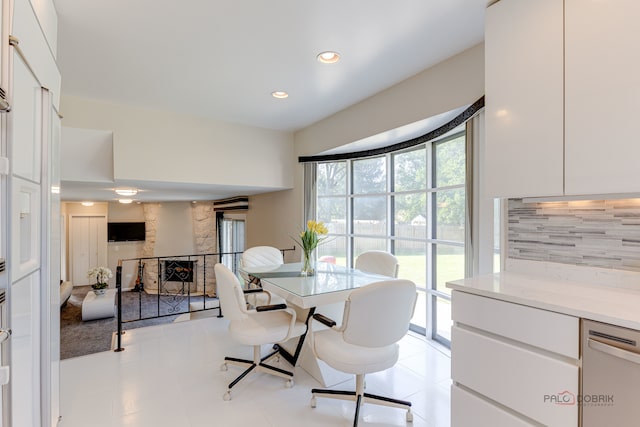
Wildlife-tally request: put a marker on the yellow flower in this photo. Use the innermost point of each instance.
(321, 229)
(309, 238)
(316, 227)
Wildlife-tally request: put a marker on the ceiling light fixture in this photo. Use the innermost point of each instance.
(328, 57)
(125, 201)
(126, 191)
(280, 94)
(87, 203)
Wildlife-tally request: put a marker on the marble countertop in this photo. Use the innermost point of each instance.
(614, 305)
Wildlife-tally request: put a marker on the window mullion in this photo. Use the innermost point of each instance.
(390, 204)
(349, 216)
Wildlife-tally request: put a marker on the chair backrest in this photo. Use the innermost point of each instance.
(232, 302)
(378, 262)
(379, 314)
(261, 255)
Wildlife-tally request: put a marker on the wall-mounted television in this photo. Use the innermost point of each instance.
(125, 231)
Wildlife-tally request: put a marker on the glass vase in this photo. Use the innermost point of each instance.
(308, 262)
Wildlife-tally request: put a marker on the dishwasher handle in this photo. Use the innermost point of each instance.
(614, 351)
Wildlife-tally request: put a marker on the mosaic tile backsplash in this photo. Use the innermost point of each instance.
(595, 233)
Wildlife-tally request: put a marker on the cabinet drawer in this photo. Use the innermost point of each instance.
(470, 410)
(551, 331)
(521, 379)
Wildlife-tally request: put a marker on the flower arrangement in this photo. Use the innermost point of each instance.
(309, 241)
(101, 276)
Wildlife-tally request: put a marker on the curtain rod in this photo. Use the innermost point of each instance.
(431, 135)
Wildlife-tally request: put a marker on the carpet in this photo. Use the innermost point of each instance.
(78, 338)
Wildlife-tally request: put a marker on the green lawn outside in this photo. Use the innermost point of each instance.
(413, 267)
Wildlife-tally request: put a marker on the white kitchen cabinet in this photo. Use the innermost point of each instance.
(602, 65)
(561, 87)
(524, 92)
(479, 412)
(512, 361)
(525, 324)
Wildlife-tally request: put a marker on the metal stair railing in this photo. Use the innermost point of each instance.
(180, 284)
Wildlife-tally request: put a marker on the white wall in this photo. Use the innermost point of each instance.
(147, 143)
(175, 230)
(121, 212)
(86, 155)
(445, 86)
(272, 220)
(116, 251)
(174, 233)
(458, 81)
(48, 20)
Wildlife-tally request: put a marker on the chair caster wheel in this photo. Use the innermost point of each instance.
(409, 416)
(224, 367)
(226, 396)
(288, 384)
(313, 402)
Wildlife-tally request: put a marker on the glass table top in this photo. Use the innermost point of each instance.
(328, 278)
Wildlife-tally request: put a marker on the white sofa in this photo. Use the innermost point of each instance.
(65, 292)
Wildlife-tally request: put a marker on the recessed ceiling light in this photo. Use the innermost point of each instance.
(280, 94)
(87, 203)
(328, 57)
(125, 201)
(126, 191)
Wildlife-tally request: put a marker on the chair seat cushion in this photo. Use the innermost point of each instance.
(265, 328)
(353, 359)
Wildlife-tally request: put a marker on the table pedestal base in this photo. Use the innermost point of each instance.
(318, 369)
(98, 306)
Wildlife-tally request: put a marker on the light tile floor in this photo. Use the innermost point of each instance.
(169, 375)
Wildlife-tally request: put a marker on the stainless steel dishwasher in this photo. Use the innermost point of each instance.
(610, 375)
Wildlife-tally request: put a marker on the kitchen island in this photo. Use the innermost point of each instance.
(516, 355)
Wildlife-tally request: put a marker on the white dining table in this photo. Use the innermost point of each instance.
(329, 284)
(324, 291)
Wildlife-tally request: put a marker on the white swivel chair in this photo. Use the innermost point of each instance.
(259, 256)
(378, 262)
(255, 327)
(375, 318)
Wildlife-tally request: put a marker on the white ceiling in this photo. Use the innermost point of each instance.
(221, 59)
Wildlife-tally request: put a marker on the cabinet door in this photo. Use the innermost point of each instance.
(471, 410)
(516, 376)
(602, 92)
(524, 98)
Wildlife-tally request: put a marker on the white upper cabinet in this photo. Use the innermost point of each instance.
(524, 107)
(561, 86)
(602, 89)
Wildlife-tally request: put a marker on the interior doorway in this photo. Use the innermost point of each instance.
(87, 246)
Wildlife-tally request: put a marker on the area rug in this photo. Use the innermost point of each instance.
(78, 338)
